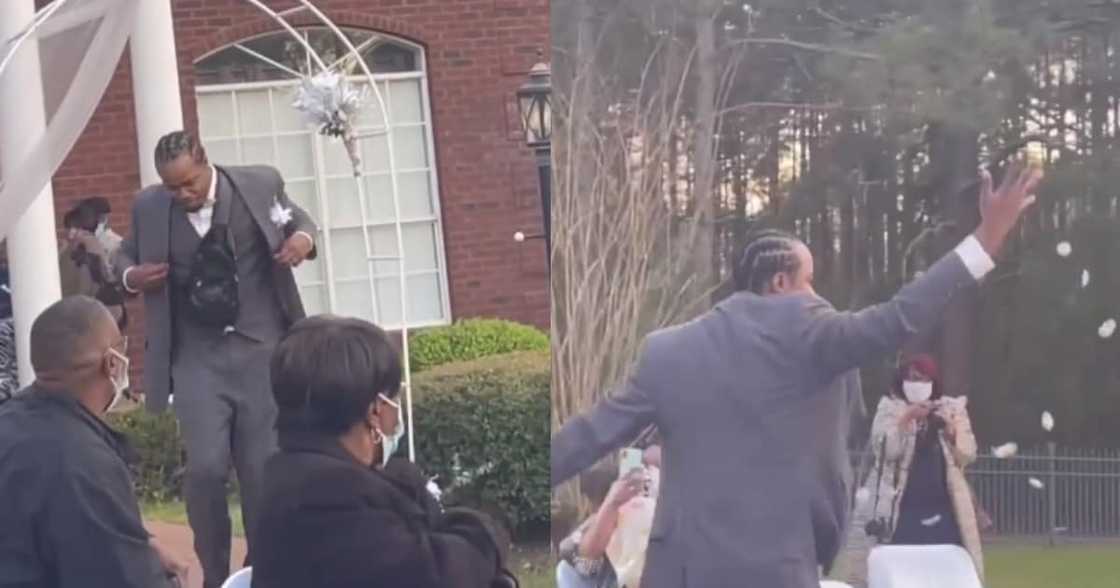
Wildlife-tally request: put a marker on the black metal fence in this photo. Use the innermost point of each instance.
(1074, 492)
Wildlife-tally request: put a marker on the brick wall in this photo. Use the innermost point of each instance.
(478, 52)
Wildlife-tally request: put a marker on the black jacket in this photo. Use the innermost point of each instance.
(330, 522)
(68, 515)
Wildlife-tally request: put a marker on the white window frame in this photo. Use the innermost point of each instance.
(321, 178)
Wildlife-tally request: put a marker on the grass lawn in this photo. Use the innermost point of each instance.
(1073, 566)
(532, 564)
(176, 512)
(1008, 566)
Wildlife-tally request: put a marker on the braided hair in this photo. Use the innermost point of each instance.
(176, 144)
(767, 254)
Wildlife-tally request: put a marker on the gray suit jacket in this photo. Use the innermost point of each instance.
(752, 400)
(149, 240)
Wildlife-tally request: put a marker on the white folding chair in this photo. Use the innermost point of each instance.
(834, 584)
(921, 566)
(242, 578)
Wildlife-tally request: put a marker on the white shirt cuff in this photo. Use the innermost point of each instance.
(310, 239)
(124, 281)
(978, 262)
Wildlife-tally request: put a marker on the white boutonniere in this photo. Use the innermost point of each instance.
(279, 215)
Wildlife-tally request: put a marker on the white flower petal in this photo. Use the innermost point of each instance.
(931, 521)
(1006, 450)
(434, 490)
(1085, 278)
(1047, 421)
(1107, 328)
(1064, 249)
(1036, 483)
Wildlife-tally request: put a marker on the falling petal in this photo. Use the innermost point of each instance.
(1064, 249)
(931, 521)
(1084, 278)
(991, 75)
(1047, 421)
(863, 495)
(1006, 450)
(1036, 483)
(434, 490)
(519, 236)
(1107, 328)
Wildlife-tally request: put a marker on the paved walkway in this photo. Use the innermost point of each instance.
(179, 539)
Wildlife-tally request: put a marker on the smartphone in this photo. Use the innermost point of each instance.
(630, 460)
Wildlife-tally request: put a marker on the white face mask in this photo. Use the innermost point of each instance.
(119, 379)
(391, 442)
(917, 391)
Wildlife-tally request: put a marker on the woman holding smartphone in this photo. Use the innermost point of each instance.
(584, 561)
(916, 493)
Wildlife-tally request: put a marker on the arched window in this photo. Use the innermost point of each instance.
(245, 92)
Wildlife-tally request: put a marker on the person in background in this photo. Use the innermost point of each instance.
(583, 554)
(916, 492)
(583, 561)
(330, 515)
(69, 515)
(85, 260)
(9, 368)
(5, 284)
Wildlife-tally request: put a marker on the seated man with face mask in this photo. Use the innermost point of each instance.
(68, 514)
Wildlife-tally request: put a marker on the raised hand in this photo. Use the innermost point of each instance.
(1001, 209)
(626, 487)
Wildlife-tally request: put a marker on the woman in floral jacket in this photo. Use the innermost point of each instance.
(916, 493)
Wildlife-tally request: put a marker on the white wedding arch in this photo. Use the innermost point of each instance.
(56, 63)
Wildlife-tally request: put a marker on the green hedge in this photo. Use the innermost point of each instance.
(158, 473)
(493, 410)
(490, 417)
(472, 339)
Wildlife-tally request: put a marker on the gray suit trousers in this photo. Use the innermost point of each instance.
(226, 415)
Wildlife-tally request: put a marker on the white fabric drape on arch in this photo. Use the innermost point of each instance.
(70, 50)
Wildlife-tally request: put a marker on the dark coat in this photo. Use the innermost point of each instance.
(68, 517)
(330, 522)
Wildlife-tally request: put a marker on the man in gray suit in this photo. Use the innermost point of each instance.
(750, 401)
(218, 376)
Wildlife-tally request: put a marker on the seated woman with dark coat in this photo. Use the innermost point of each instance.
(331, 516)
